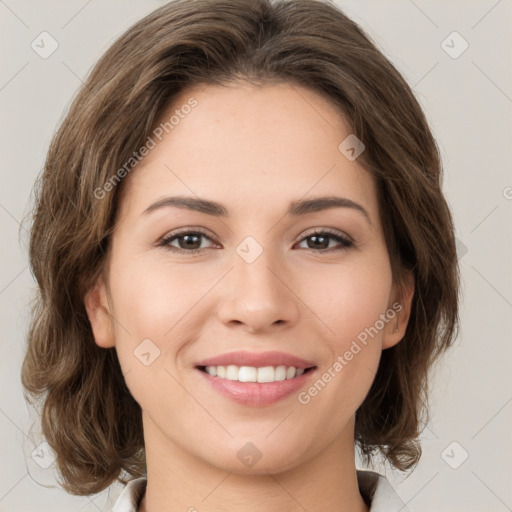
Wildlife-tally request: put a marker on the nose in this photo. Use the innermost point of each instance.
(258, 295)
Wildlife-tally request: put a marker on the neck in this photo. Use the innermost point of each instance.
(177, 481)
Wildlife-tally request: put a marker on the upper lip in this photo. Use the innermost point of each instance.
(256, 359)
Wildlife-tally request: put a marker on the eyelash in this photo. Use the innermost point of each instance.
(344, 241)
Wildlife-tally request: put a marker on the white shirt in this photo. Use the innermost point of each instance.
(374, 488)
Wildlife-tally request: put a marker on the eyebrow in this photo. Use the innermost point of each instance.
(295, 208)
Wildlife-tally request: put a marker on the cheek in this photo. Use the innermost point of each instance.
(349, 299)
(354, 348)
(152, 296)
(352, 303)
(155, 303)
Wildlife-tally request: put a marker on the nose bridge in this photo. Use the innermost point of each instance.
(253, 274)
(257, 296)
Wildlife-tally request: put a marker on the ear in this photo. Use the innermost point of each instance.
(98, 311)
(401, 304)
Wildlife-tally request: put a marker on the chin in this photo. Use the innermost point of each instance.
(257, 455)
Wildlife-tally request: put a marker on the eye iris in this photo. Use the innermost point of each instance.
(324, 239)
(196, 243)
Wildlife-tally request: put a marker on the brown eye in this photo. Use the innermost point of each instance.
(318, 241)
(188, 241)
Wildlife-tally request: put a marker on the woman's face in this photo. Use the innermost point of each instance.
(256, 279)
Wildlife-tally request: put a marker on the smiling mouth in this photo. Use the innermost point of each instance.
(264, 374)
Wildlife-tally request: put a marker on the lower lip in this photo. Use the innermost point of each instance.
(257, 394)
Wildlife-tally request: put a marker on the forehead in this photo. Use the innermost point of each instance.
(252, 147)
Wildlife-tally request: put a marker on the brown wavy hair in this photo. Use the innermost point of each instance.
(88, 415)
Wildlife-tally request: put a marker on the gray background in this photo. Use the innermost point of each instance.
(468, 102)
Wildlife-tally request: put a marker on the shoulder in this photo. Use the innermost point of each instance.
(131, 495)
(379, 493)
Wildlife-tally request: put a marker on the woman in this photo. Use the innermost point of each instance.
(246, 265)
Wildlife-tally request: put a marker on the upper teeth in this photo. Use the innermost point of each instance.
(252, 374)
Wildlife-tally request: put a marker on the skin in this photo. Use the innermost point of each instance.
(253, 149)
